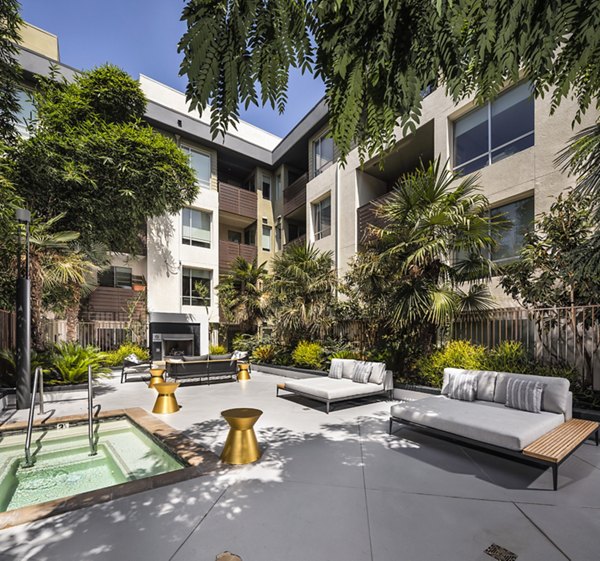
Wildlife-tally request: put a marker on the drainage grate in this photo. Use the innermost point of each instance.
(500, 553)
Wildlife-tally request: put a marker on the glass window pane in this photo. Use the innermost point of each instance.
(326, 150)
(512, 115)
(520, 214)
(266, 187)
(474, 165)
(266, 238)
(200, 163)
(185, 224)
(513, 148)
(233, 236)
(471, 136)
(26, 113)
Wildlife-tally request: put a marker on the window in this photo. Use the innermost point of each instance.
(495, 131)
(200, 163)
(195, 227)
(266, 187)
(250, 236)
(278, 238)
(233, 236)
(116, 277)
(27, 112)
(277, 195)
(322, 218)
(266, 238)
(195, 289)
(520, 214)
(322, 153)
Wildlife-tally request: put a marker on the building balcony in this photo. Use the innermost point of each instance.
(366, 216)
(300, 240)
(228, 251)
(294, 196)
(237, 201)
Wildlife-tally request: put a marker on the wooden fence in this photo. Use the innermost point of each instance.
(569, 335)
(8, 330)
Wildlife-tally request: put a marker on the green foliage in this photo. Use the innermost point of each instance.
(353, 355)
(263, 354)
(92, 159)
(308, 355)
(508, 356)
(10, 73)
(377, 56)
(553, 268)
(8, 366)
(116, 358)
(217, 350)
(69, 363)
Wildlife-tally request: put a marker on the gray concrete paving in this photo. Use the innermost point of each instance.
(327, 487)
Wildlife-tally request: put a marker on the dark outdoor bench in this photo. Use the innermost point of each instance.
(203, 368)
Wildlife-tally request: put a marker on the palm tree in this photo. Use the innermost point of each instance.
(242, 296)
(430, 259)
(302, 292)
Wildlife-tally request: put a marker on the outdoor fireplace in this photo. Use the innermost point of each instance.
(176, 345)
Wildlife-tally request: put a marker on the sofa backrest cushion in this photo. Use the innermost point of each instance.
(377, 373)
(194, 358)
(336, 368)
(555, 397)
(486, 382)
(221, 357)
(362, 371)
(347, 367)
(463, 386)
(525, 395)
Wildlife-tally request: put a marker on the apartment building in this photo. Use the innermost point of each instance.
(259, 193)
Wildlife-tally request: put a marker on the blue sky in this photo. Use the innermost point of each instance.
(141, 37)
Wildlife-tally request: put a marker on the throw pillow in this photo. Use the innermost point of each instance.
(362, 371)
(336, 368)
(377, 373)
(524, 395)
(463, 387)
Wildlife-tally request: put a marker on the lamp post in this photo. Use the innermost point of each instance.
(23, 355)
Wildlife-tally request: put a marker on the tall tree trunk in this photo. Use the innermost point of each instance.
(35, 273)
(72, 314)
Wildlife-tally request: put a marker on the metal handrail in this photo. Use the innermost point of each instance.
(90, 413)
(37, 377)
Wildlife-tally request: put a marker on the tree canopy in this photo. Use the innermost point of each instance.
(377, 57)
(92, 158)
(9, 69)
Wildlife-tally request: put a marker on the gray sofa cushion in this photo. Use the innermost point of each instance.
(336, 369)
(484, 421)
(221, 357)
(524, 395)
(377, 373)
(555, 397)
(362, 371)
(463, 387)
(486, 382)
(329, 388)
(347, 367)
(194, 358)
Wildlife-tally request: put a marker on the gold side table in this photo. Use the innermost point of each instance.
(166, 402)
(156, 376)
(241, 446)
(243, 371)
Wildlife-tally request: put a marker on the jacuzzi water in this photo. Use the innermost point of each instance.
(63, 466)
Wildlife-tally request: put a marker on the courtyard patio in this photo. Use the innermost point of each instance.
(327, 487)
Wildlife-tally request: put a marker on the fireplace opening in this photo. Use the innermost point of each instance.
(178, 346)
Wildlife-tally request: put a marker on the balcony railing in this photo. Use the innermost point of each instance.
(294, 196)
(300, 240)
(237, 200)
(365, 216)
(228, 251)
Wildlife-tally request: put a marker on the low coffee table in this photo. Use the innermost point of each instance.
(241, 446)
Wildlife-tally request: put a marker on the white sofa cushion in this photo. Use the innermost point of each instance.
(347, 367)
(336, 369)
(362, 371)
(377, 373)
(329, 388)
(524, 395)
(484, 421)
(555, 397)
(463, 387)
(486, 382)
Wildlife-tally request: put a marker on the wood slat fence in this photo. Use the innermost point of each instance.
(8, 330)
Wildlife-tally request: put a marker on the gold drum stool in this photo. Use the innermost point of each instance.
(166, 401)
(243, 371)
(156, 376)
(241, 446)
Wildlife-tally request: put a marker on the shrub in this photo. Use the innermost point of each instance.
(263, 353)
(308, 355)
(456, 354)
(116, 358)
(217, 350)
(354, 355)
(69, 363)
(247, 343)
(8, 366)
(508, 356)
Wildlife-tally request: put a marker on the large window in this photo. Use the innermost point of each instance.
(496, 130)
(116, 277)
(27, 112)
(196, 227)
(266, 238)
(322, 153)
(200, 163)
(266, 186)
(195, 289)
(510, 242)
(322, 218)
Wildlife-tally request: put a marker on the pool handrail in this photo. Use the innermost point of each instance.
(91, 413)
(38, 377)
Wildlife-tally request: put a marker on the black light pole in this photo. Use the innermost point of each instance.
(23, 356)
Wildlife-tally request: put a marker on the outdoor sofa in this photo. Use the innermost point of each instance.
(347, 379)
(203, 367)
(486, 415)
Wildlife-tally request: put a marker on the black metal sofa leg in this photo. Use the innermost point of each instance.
(390, 429)
(555, 476)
